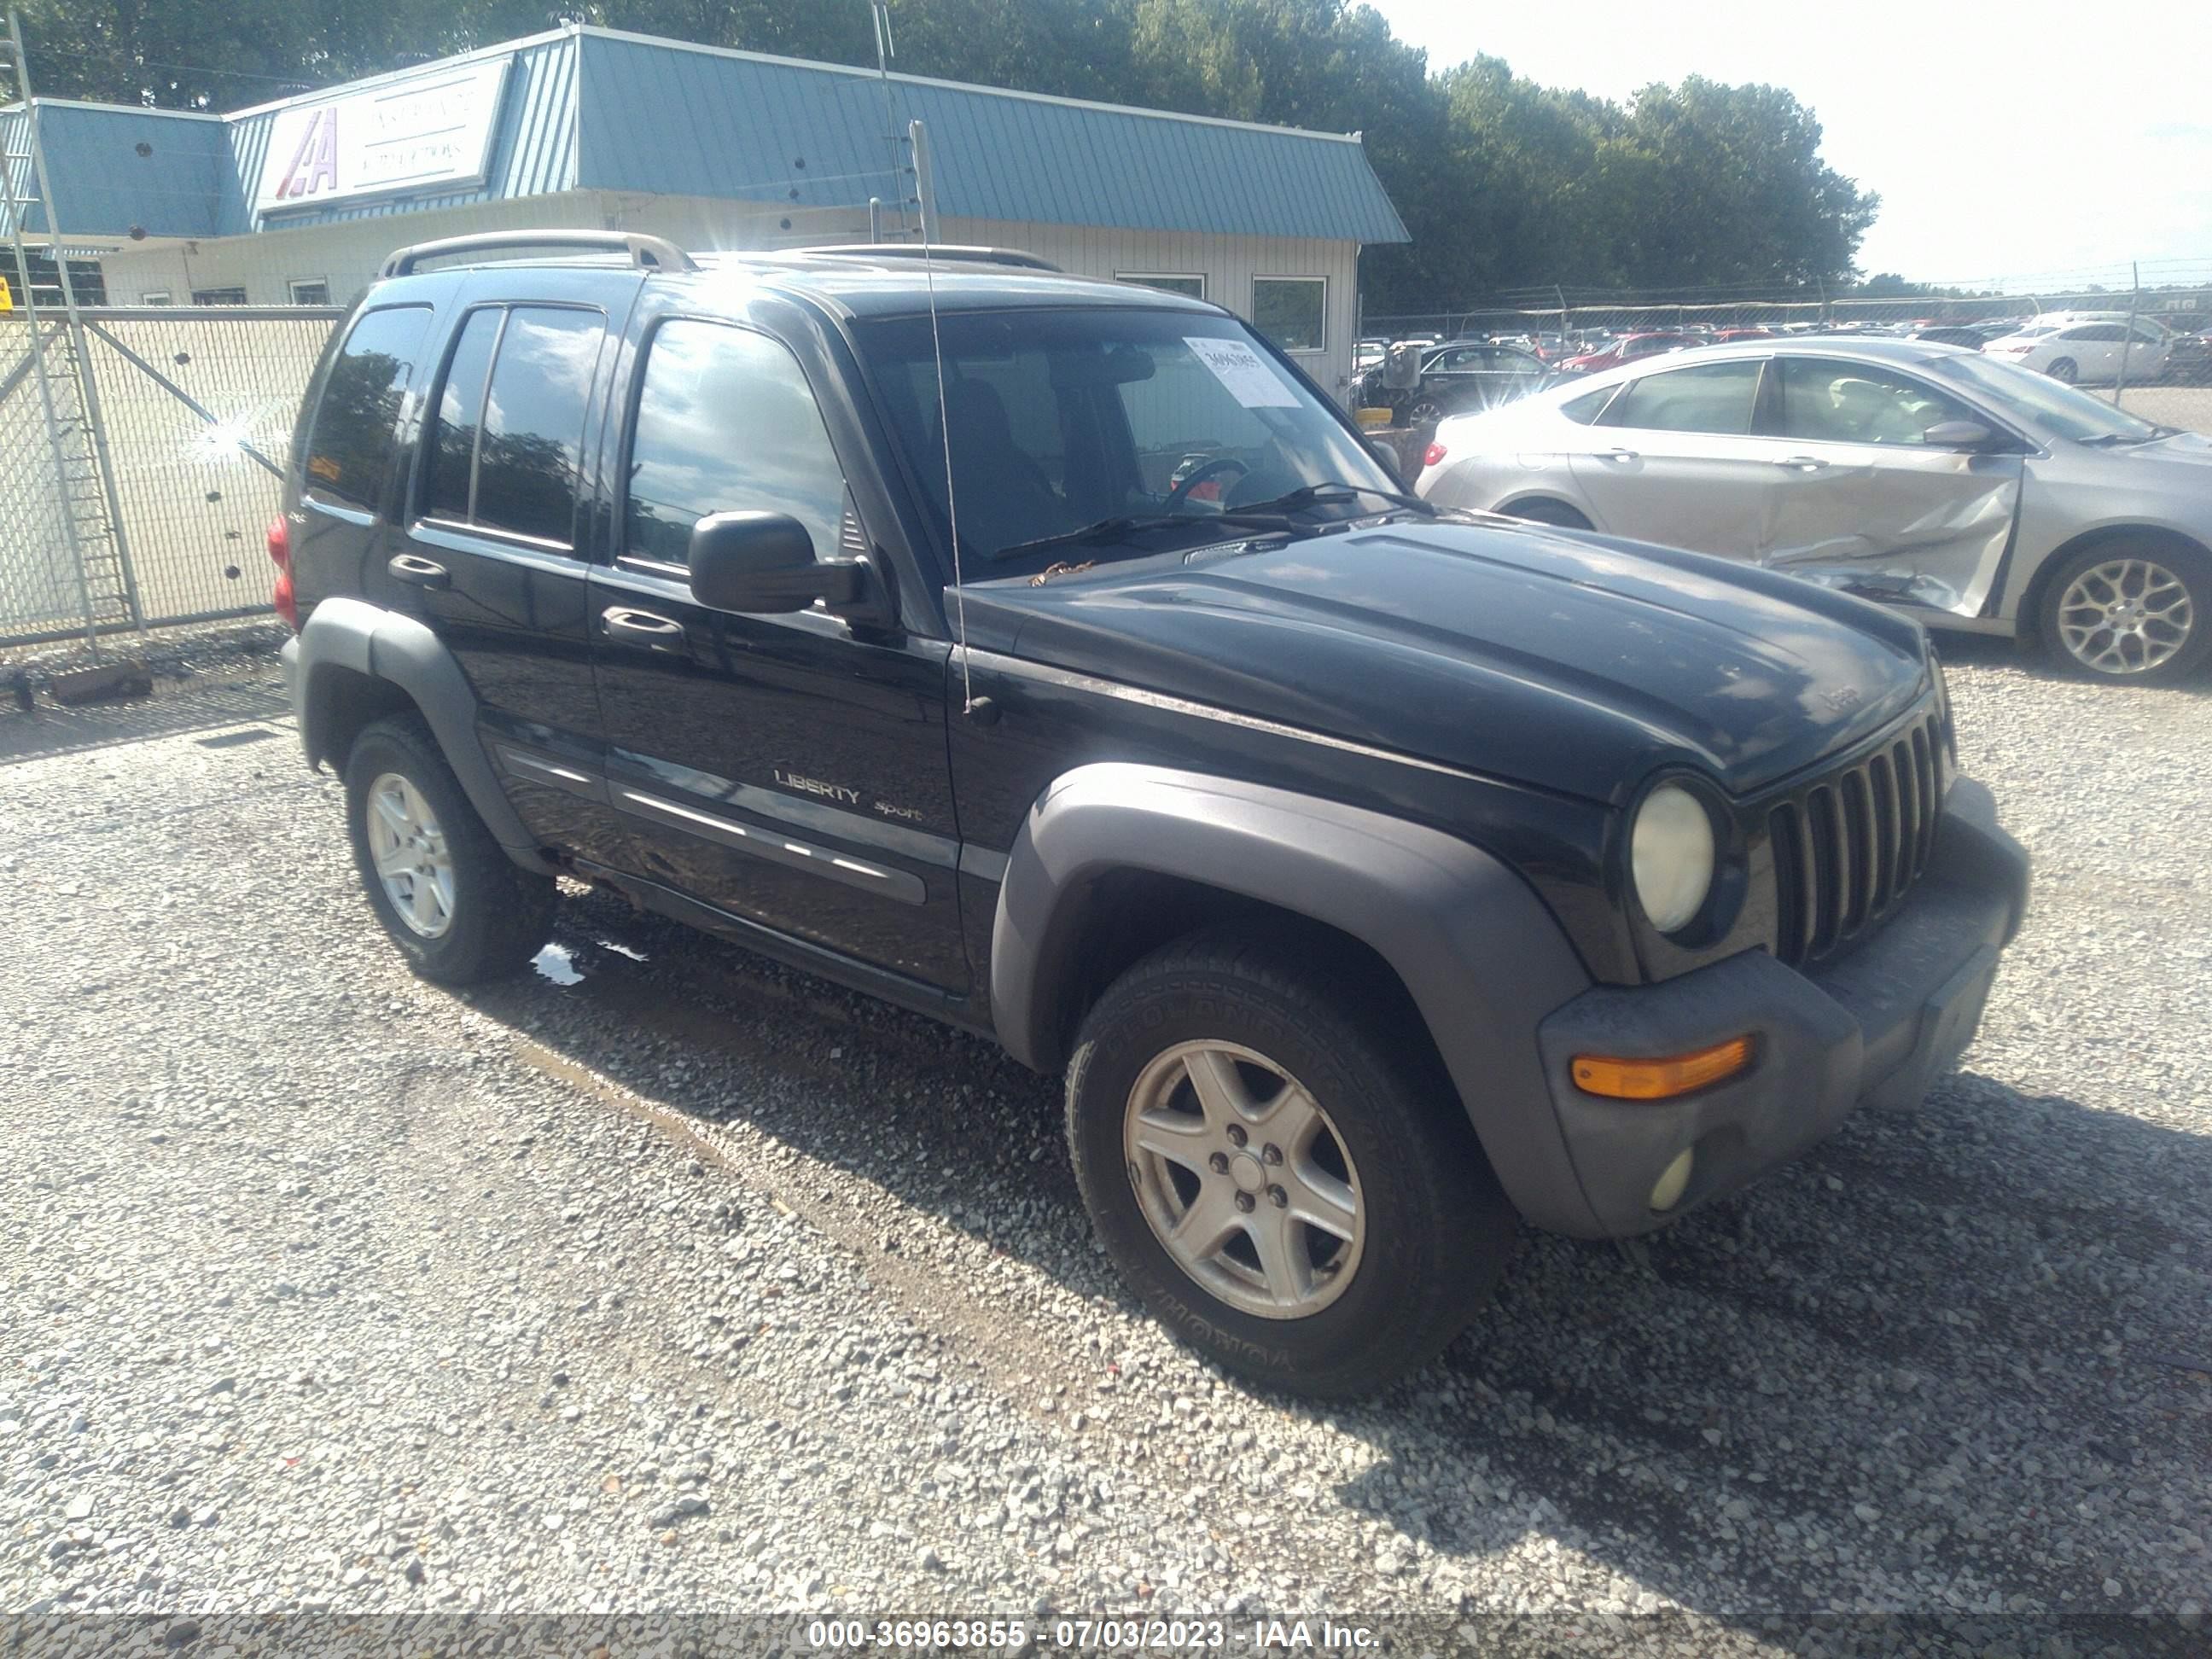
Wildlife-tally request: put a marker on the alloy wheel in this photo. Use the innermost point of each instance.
(1244, 1180)
(412, 862)
(2125, 617)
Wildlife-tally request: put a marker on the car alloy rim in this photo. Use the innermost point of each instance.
(2126, 616)
(1244, 1180)
(409, 850)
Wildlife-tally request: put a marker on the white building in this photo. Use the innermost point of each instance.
(298, 202)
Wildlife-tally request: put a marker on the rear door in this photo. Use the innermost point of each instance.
(491, 557)
(2094, 348)
(1675, 459)
(1867, 503)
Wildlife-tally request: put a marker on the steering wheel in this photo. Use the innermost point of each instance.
(1180, 493)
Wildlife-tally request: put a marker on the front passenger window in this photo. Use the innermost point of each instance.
(1833, 400)
(725, 423)
(1704, 397)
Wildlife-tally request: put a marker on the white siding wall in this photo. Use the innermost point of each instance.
(346, 255)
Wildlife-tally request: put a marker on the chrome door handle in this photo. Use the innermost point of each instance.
(1802, 463)
(642, 627)
(418, 571)
(1622, 455)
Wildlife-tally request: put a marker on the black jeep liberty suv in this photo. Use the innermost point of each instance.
(1051, 656)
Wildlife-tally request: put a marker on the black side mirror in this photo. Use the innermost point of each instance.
(1386, 452)
(764, 562)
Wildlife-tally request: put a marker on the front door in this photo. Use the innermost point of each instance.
(491, 560)
(1676, 460)
(1866, 503)
(783, 770)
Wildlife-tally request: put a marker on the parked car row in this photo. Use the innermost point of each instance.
(2091, 348)
(1958, 484)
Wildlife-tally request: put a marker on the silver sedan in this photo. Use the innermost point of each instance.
(1980, 495)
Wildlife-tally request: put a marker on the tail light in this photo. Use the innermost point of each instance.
(280, 554)
(1433, 454)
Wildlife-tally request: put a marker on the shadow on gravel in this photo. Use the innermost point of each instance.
(1993, 651)
(1950, 1360)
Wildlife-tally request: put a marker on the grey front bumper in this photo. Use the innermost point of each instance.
(1877, 1027)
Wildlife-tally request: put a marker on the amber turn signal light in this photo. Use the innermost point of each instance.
(1661, 1079)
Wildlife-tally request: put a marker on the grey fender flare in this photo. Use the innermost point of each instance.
(1483, 958)
(387, 644)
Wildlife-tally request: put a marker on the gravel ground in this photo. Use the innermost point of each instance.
(665, 1280)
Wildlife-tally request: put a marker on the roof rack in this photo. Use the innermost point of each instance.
(968, 255)
(646, 253)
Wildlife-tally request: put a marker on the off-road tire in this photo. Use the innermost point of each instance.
(1439, 1231)
(502, 914)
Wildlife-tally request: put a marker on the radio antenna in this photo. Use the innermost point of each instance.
(926, 199)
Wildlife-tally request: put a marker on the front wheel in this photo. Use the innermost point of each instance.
(458, 909)
(1425, 411)
(1278, 1167)
(2138, 610)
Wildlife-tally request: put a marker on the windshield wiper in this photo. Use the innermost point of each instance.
(1332, 493)
(2108, 439)
(1130, 524)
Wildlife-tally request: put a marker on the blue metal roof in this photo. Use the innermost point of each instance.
(104, 186)
(591, 108)
(668, 118)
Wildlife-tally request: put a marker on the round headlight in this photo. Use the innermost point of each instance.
(1671, 854)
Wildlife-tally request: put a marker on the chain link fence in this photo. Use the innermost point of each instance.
(2143, 346)
(159, 464)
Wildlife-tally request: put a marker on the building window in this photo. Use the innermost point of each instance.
(1291, 311)
(310, 290)
(159, 297)
(218, 297)
(1193, 287)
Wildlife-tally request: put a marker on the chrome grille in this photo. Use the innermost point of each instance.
(1849, 846)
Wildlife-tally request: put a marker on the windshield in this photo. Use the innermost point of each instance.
(1061, 419)
(2040, 401)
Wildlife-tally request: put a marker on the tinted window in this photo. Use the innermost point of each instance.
(2095, 332)
(726, 421)
(1583, 410)
(1290, 310)
(1709, 397)
(1833, 402)
(453, 441)
(534, 423)
(355, 434)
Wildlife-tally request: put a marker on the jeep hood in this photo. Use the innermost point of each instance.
(1565, 661)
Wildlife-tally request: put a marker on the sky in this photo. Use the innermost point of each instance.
(2014, 144)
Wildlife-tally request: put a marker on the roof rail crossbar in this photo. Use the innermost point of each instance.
(646, 253)
(970, 254)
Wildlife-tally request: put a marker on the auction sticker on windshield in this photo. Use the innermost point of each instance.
(1240, 368)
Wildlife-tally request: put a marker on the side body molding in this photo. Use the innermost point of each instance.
(385, 645)
(1483, 958)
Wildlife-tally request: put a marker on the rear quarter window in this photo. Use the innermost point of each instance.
(356, 435)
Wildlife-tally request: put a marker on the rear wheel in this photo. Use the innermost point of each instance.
(1544, 511)
(1278, 1167)
(458, 909)
(2137, 610)
(2065, 369)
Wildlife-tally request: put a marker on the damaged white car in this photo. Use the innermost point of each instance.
(1978, 494)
